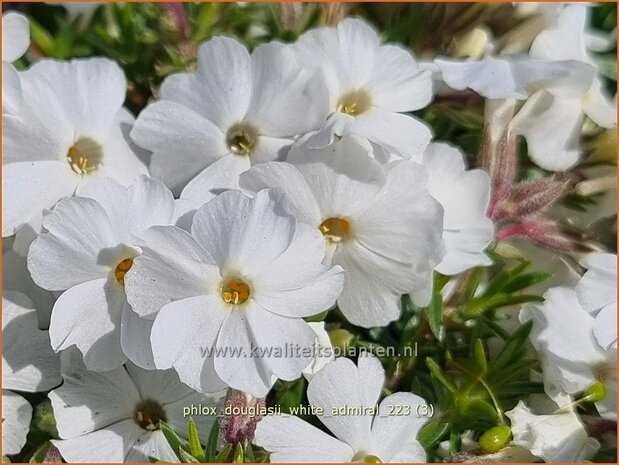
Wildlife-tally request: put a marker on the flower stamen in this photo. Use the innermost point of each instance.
(148, 414)
(354, 103)
(335, 229)
(121, 270)
(84, 157)
(235, 291)
(241, 139)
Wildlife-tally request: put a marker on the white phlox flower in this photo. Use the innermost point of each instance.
(464, 195)
(560, 80)
(381, 226)
(370, 433)
(597, 294)
(572, 358)
(556, 437)
(370, 86)
(28, 365)
(513, 76)
(114, 416)
(88, 247)
(549, 112)
(64, 126)
(228, 300)
(234, 111)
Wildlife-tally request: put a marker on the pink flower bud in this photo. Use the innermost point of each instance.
(241, 413)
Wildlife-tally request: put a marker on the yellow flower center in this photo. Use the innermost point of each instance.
(84, 157)
(121, 270)
(354, 103)
(148, 413)
(235, 291)
(335, 229)
(241, 139)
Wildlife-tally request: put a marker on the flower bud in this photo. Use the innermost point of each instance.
(495, 439)
(595, 393)
(44, 418)
(52, 455)
(241, 414)
(340, 338)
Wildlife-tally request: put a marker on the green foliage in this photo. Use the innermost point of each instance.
(192, 450)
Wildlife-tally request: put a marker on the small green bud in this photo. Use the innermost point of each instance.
(372, 459)
(44, 418)
(595, 393)
(340, 338)
(495, 439)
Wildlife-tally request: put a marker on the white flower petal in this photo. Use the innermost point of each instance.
(298, 284)
(599, 107)
(343, 177)
(288, 182)
(337, 125)
(183, 142)
(598, 286)
(172, 266)
(88, 401)
(515, 77)
(91, 90)
(88, 316)
(220, 90)
(325, 352)
(357, 52)
(374, 284)
(135, 338)
(146, 202)
(242, 234)
(151, 444)
(551, 127)
(269, 149)
(554, 438)
(605, 327)
(407, 90)
(217, 178)
(404, 134)
(340, 385)
(122, 159)
(284, 102)
(414, 233)
(464, 196)
(15, 36)
(73, 250)
(246, 372)
(28, 188)
(183, 333)
(109, 445)
(11, 90)
(392, 432)
(563, 334)
(290, 439)
(565, 39)
(28, 361)
(19, 280)
(16, 416)
(293, 338)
